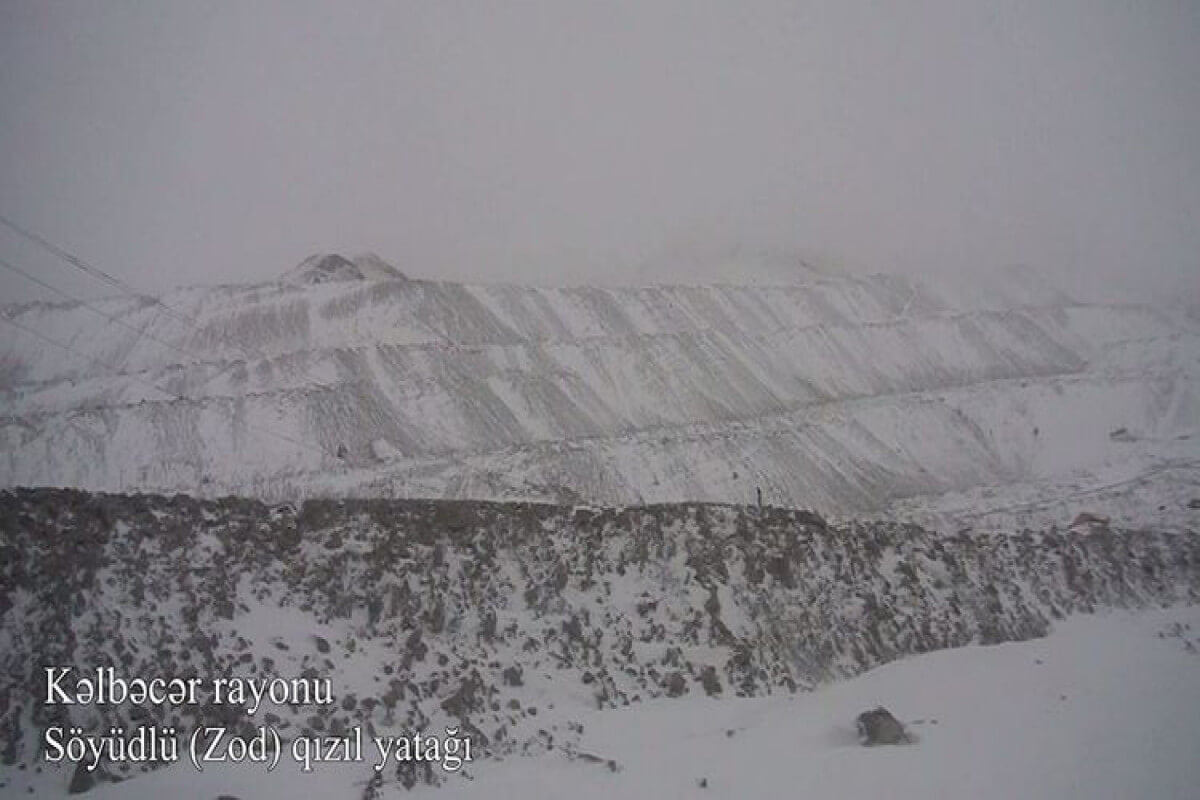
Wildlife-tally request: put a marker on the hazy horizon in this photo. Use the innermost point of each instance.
(550, 143)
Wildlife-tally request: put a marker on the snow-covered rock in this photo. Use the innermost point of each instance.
(331, 267)
(878, 726)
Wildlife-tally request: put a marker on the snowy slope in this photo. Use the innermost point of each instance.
(513, 622)
(1102, 708)
(849, 394)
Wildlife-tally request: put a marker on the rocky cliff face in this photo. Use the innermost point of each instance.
(478, 615)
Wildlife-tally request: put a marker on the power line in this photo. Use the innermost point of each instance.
(153, 386)
(85, 304)
(125, 288)
(79, 263)
(143, 331)
(82, 265)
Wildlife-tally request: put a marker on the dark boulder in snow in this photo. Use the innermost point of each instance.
(513, 676)
(81, 780)
(1086, 520)
(1121, 435)
(710, 681)
(675, 684)
(878, 726)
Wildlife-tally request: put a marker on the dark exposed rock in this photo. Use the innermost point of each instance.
(81, 779)
(466, 699)
(512, 676)
(710, 681)
(674, 684)
(1085, 519)
(878, 726)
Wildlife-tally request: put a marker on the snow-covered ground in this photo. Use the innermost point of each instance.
(1107, 706)
(1100, 709)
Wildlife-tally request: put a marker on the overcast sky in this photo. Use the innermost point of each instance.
(572, 142)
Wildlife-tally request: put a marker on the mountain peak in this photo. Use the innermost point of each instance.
(330, 267)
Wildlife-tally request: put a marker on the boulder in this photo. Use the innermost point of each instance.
(675, 684)
(1086, 521)
(878, 726)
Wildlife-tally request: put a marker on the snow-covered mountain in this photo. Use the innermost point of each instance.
(990, 406)
(326, 267)
(651, 417)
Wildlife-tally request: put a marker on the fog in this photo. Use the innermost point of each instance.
(607, 143)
